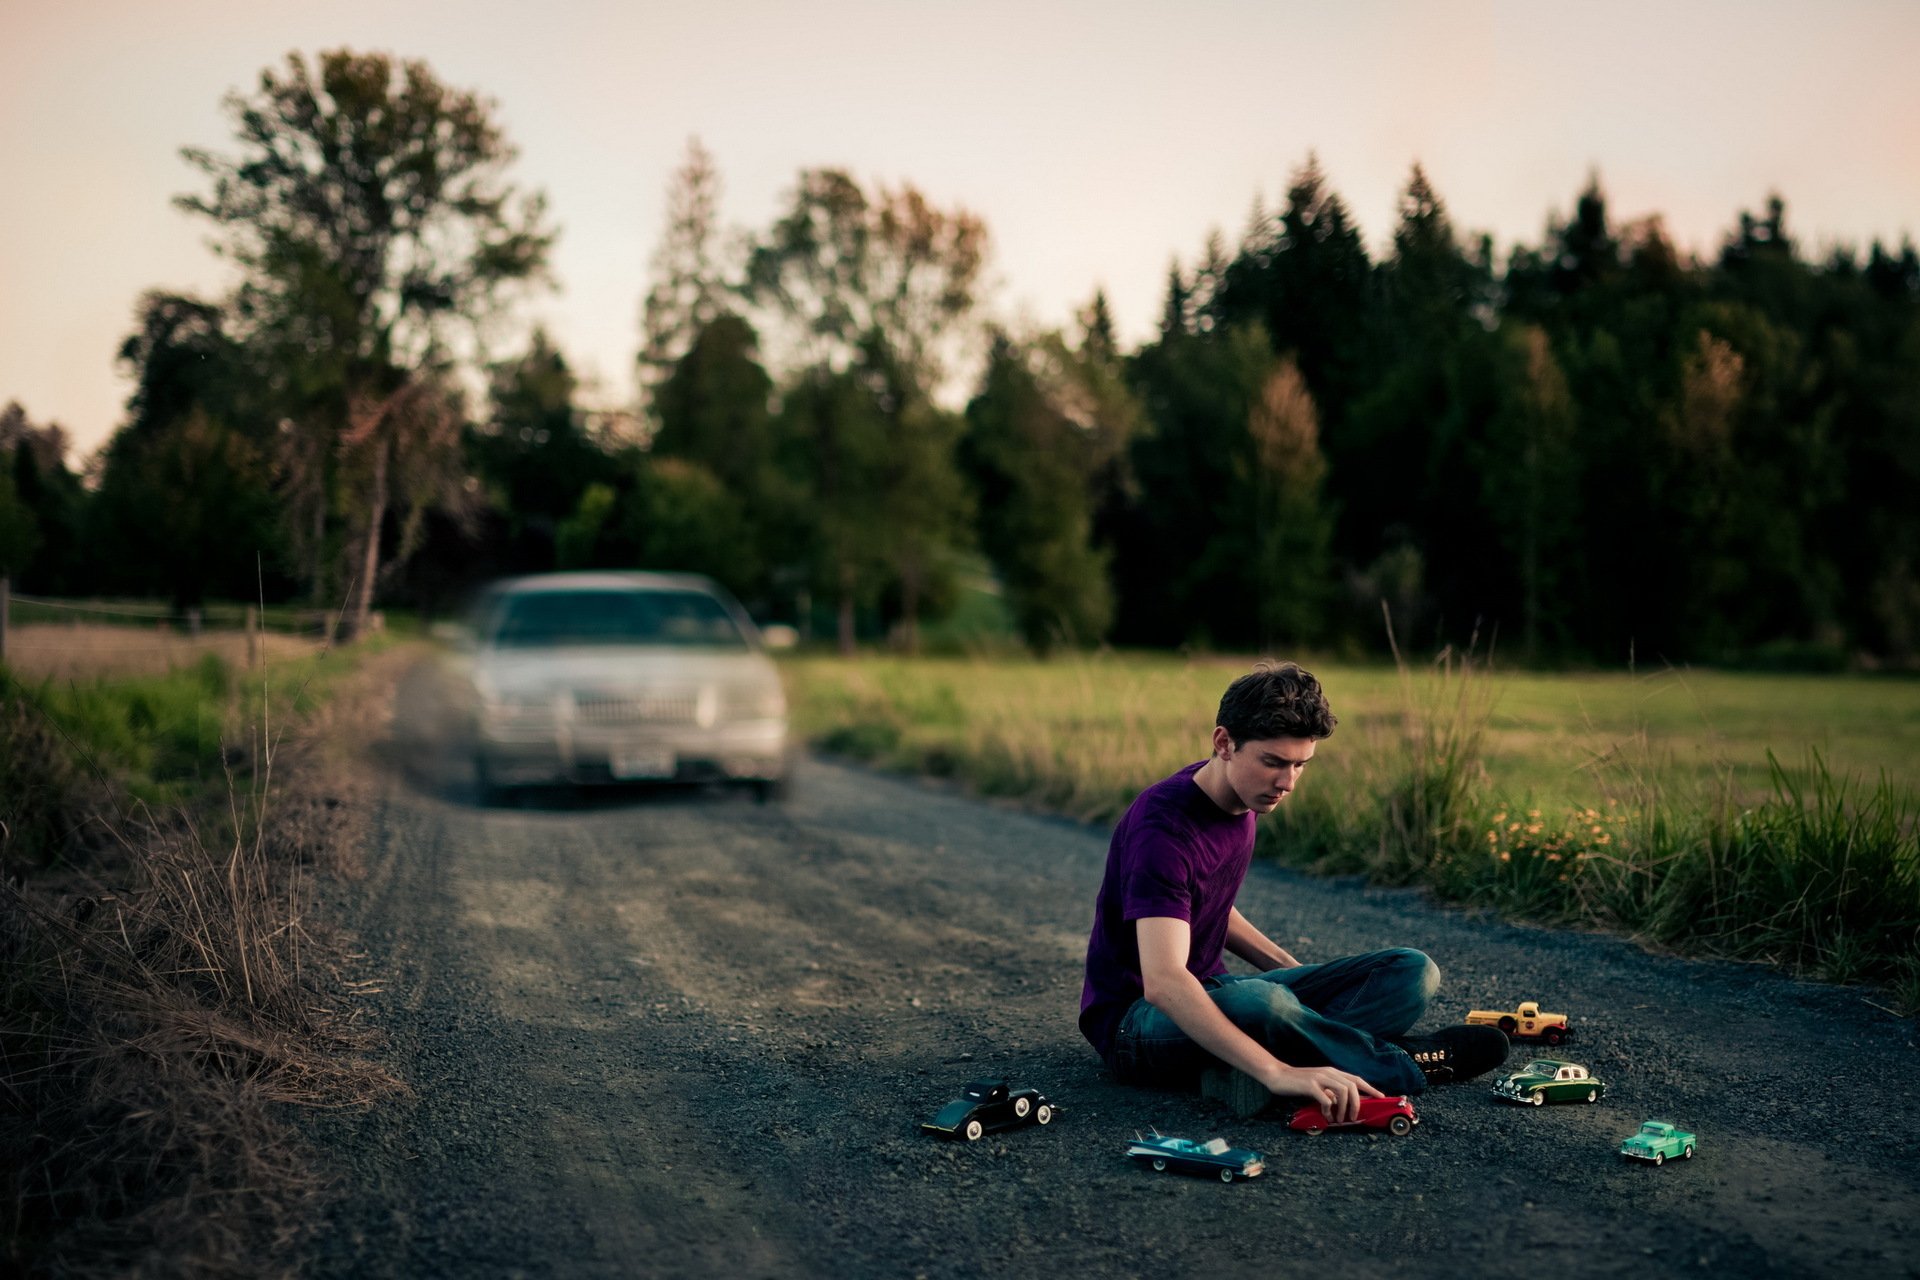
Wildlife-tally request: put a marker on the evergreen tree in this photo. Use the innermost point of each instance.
(690, 270)
(534, 453)
(713, 412)
(1044, 436)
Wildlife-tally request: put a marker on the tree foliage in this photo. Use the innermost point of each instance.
(1599, 449)
(368, 209)
(1045, 435)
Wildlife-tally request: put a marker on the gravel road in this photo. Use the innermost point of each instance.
(685, 1034)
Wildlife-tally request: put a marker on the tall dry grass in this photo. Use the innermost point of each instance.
(83, 651)
(164, 998)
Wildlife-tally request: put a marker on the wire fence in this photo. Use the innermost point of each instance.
(59, 636)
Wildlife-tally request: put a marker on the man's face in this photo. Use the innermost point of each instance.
(1263, 771)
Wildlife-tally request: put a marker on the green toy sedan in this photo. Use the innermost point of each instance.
(1547, 1080)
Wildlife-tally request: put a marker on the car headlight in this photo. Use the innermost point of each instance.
(755, 702)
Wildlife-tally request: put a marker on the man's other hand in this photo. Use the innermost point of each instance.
(1337, 1093)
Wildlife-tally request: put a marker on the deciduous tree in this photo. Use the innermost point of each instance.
(368, 208)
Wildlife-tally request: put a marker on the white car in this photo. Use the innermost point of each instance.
(619, 677)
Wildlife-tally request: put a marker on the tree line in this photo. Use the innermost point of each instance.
(1597, 450)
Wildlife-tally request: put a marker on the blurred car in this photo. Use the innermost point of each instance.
(1394, 1114)
(986, 1106)
(619, 677)
(1210, 1158)
(1547, 1080)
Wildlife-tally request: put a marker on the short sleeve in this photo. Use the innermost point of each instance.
(1158, 881)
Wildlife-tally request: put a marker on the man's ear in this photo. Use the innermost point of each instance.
(1222, 742)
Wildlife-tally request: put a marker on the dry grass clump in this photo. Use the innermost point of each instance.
(163, 1000)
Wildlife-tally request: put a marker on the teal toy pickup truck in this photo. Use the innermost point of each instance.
(1657, 1140)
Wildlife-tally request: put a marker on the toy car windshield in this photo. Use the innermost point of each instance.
(1539, 1068)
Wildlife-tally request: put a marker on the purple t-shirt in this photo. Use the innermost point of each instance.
(1175, 853)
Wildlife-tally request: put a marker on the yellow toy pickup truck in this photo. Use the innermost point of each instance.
(1526, 1022)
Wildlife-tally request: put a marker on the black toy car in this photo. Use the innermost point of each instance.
(985, 1106)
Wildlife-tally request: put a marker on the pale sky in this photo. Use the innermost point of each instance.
(1097, 138)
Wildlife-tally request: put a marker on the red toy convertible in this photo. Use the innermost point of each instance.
(1395, 1115)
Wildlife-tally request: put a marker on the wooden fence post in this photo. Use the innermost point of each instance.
(253, 638)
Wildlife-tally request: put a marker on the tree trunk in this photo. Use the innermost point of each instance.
(356, 622)
(846, 636)
(318, 554)
(910, 609)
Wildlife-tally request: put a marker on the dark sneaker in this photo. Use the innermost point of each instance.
(1452, 1054)
(1246, 1096)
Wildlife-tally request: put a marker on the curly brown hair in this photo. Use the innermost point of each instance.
(1275, 700)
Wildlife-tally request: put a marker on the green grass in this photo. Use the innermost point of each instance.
(165, 738)
(1770, 817)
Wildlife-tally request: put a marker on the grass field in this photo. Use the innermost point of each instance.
(1765, 817)
(1114, 723)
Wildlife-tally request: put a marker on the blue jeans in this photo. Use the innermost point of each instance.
(1337, 1014)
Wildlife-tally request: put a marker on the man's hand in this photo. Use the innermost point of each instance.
(1179, 995)
(1337, 1093)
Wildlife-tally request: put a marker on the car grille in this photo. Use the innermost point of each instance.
(646, 706)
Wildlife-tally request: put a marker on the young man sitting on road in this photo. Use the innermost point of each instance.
(1158, 1002)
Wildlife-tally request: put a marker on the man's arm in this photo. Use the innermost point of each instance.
(1164, 944)
(1255, 947)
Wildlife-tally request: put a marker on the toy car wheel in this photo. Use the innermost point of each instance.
(1400, 1126)
(1159, 1166)
(1593, 1095)
(1686, 1153)
(1538, 1097)
(1042, 1114)
(1659, 1157)
(973, 1131)
(1509, 1026)
(1553, 1035)
(1226, 1175)
(1315, 1126)
(1021, 1106)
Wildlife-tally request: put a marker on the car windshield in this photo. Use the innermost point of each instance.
(1539, 1069)
(679, 619)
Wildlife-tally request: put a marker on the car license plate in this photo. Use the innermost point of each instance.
(634, 763)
